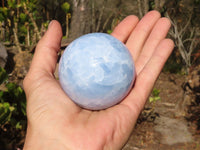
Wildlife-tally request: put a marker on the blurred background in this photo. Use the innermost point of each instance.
(171, 117)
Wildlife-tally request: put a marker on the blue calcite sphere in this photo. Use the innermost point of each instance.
(96, 71)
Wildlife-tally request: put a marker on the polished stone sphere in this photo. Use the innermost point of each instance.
(96, 71)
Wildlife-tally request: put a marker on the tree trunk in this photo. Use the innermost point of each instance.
(81, 18)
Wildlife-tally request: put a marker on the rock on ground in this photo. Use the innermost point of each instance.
(3, 55)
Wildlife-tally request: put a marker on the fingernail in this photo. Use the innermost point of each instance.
(50, 24)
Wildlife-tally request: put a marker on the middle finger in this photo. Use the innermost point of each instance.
(141, 32)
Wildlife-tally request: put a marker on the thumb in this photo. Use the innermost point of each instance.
(45, 57)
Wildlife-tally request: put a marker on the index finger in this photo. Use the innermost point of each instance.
(125, 27)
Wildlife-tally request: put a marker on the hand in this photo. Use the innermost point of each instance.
(55, 122)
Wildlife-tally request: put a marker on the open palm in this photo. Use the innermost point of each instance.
(55, 122)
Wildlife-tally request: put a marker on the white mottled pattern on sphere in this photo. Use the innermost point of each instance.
(96, 71)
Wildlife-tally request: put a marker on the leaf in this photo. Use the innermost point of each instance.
(3, 13)
(1, 108)
(1, 95)
(151, 99)
(109, 31)
(1, 17)
(23, 17)
(3, 75)
(155, 92)
(18, 125)
(12, 108)
(10, 87)
(12, 3)
(65, 7)
(23, 30)
(23, 106)
(5, 113)
(19, 5)
(157, 98)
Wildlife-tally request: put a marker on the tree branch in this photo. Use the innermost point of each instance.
(107, 20)
(100, 17)
(140, 8)
(32, 20)
(146, 6)
(16, 38)
(93, 17)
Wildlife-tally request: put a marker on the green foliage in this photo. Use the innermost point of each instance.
(3, 13)
(23, 17)
(5, 112)
(3, 75)
(64, 37)
(114, 23)
(14, 15)
(12, 3)
(31, 4)
(46, 24)
(155, 96)
(65, 7)
(109, 31)
(1, 17)
(152, 6)
(12, 104)
(23, 30)
(197, 1)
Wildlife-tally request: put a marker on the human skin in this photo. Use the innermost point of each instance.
(55, 122)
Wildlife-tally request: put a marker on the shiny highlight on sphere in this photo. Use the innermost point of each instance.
(96, 71)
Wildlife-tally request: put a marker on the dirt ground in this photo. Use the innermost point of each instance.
(161, 129)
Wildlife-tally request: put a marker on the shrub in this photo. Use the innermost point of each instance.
(12, 112)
